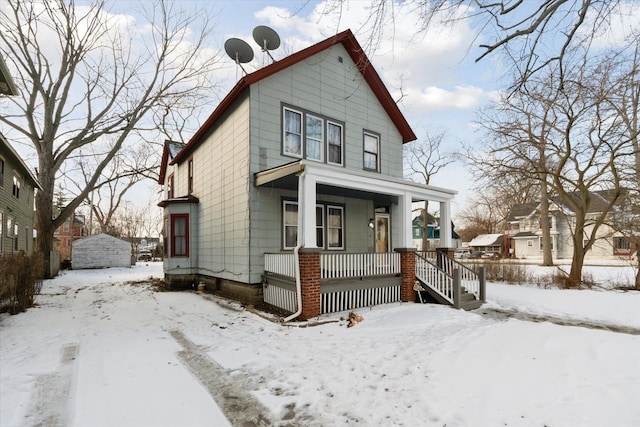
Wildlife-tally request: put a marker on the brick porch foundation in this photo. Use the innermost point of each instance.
(408, 274)
(310, 284)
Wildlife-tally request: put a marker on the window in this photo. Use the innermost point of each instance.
(334, 141)
(16, 233)
(530, 243)
(190, 177)
(310, 136)
(333, 229)
(1, 172)
(621, 246)
(180, 235)
(292, 133)
(314, 132)
(165, 237)
(417, 232)
(16, 187)
(10, 227)
(170, 187)
(371, 151)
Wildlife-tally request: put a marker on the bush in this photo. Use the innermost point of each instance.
(503, 272)
(20, 281)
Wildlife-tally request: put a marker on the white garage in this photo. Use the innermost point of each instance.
(100, 251)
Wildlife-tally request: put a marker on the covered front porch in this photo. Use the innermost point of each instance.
(312, 279)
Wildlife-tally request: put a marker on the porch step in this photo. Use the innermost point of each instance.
(467, 300)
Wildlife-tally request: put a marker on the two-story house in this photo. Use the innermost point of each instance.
(72, 229)
(17, 191)
(525, 234)
(298, 168)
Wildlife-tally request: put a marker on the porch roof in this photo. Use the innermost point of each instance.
(351, 183)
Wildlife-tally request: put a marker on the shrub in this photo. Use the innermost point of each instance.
(503, 272)
(20, 281)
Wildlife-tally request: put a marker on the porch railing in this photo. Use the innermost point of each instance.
(437, 279)
(283, 264)
(469, 279)
(338, 266)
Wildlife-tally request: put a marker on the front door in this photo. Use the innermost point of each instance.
(382, 233)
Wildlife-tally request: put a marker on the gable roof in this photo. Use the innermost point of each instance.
(358, 56)
(7, 86)
(523, 210)
(169, 152)
(487, 240)
(7, 149)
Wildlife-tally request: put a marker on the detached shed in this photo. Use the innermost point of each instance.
(100, 251)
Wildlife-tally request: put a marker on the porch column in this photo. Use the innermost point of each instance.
(445, 225)
(310, 283)
(404, 221)
(408, 274)
(307, 211)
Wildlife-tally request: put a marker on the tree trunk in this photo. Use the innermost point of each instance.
(575, 274)
(44, 212)
(545, 226)
(425, 227)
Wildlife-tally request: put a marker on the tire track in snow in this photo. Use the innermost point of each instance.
(240, 408)
(52, 392)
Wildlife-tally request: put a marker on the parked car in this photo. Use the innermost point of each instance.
(145, 255)
(462, 253)
(491, 255)
(475, 254)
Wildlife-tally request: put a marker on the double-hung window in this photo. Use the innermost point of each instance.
(179, 235)
(371, 152)
(190, 176)
(16, 186)
(329, 223)
(309, 136)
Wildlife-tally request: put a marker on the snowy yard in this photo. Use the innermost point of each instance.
(99, 352)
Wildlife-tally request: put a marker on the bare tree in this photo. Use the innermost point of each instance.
(534, 35)
(423, 160)
(88, 76)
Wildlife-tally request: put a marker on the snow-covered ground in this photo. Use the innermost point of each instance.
(98, 351)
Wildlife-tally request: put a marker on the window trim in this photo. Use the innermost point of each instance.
(341, 228)
(16, 186)
(172, 218)
(190, 175)
(170, 187)
(334, 123)
(2, 164)
(324, 142)
(324, 206)
(376, 136)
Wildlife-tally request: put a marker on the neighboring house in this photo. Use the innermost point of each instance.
(17, 191)
(433, 233)
(525, 234)
(74, 228)
(294, 164)
(488, 243)
(101, 251)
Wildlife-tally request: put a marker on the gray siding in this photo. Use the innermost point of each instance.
(101, 251)
(16, 210)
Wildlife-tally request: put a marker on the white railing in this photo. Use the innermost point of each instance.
(357, 298)
(283, 264)
(469, 279)
(437, 279)
(280, 297)
(338, 266)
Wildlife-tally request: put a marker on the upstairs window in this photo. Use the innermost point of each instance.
(309, 136)
(1, 172)
(334, 143)
(16, 187)
(371, 152)
(190, 175)
(170, 187)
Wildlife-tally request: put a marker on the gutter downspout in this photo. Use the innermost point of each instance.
(296, 258)
(298, 286)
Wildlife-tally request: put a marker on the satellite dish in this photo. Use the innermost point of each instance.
(266, 38)
(239, 51)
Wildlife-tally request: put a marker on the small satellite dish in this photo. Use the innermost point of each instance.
(239, 51)
(266, 38)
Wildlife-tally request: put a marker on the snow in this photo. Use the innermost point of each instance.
(98, 351)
